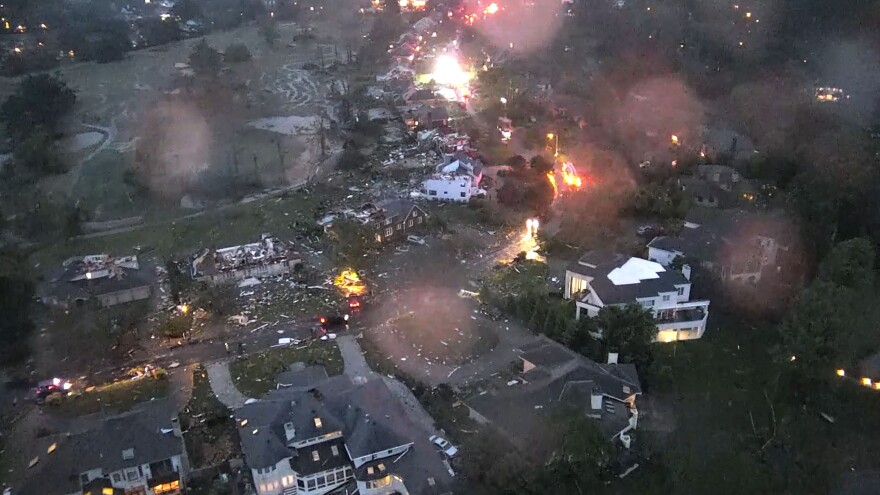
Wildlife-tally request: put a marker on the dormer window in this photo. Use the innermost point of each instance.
(318, 423)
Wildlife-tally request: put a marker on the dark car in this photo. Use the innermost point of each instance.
(330, 322)
(355, 304)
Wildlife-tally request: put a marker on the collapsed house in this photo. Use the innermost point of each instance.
(457, 179)
(268, 257)
(108, 279)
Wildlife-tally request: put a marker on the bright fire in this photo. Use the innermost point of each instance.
(350, 283)
(447, 71)
(552, 178)
(570, 176)
(491, 9)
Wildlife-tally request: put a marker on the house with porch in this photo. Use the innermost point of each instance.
(600, 279)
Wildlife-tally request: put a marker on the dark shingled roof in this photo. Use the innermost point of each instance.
(393, 208)
(603, 263)
(304, 462)
(340, 405)
(710, 233)
(101, 448)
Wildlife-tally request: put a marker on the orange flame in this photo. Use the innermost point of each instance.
(350, 283)
(552, 178)
(491, 9)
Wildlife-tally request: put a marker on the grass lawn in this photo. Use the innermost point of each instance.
(114, 397)
(255, 375)
(235, 224)
(211, 436)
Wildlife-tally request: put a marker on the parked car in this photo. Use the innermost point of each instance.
(415, 239)
(334, 321)
(441, 443)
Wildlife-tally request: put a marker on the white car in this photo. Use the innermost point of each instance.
(416, 239)
(447, 448)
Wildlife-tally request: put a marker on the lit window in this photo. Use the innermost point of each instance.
(318, 423)
(315, 456)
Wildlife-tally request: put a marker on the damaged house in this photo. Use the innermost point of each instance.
(457, 179)
(268, 257)
(108, 279)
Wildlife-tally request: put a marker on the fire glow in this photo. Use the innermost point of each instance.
(447, 71)
(350, 283)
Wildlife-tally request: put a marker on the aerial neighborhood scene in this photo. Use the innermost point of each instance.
(435, 247)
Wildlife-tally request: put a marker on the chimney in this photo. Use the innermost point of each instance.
(289, 431)
(175, 426)
(686, 271)
(612, 358)
(596, 399)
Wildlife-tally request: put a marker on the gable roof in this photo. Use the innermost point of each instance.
(398, 209)
(139, 431)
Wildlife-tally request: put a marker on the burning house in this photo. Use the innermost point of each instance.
(108, 279)
(268, 257)
(455, 180)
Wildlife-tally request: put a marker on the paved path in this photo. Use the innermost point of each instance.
(223, 386)
(356, 366)
(181, 385)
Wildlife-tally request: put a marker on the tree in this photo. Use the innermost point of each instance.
(156, 31)
(540, 164)
(237, 52)
(270, 33)
(628, 330)
(352, 242)
(516, 162)
(582, 460)
(351, 159)
(832, 324)
(494, 470)
(16, 296)
(37, 155)
(204, 59)
(40, 101)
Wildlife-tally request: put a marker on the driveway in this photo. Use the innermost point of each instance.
(223, 386)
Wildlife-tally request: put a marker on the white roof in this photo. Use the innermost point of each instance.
(634, 271)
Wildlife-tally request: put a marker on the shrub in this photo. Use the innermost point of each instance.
(236, 52)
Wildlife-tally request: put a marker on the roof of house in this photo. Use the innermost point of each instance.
(617, 279)
(299, 377)
(336, 402)
(320, 457)
(139, 432)
(80, 278)
(523, 409)
(710, 234)
(394, 208)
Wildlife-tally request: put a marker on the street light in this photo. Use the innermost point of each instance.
(555, 138)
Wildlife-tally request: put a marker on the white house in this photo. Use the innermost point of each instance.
(455, 180)
(597, 280)
(316, 441)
